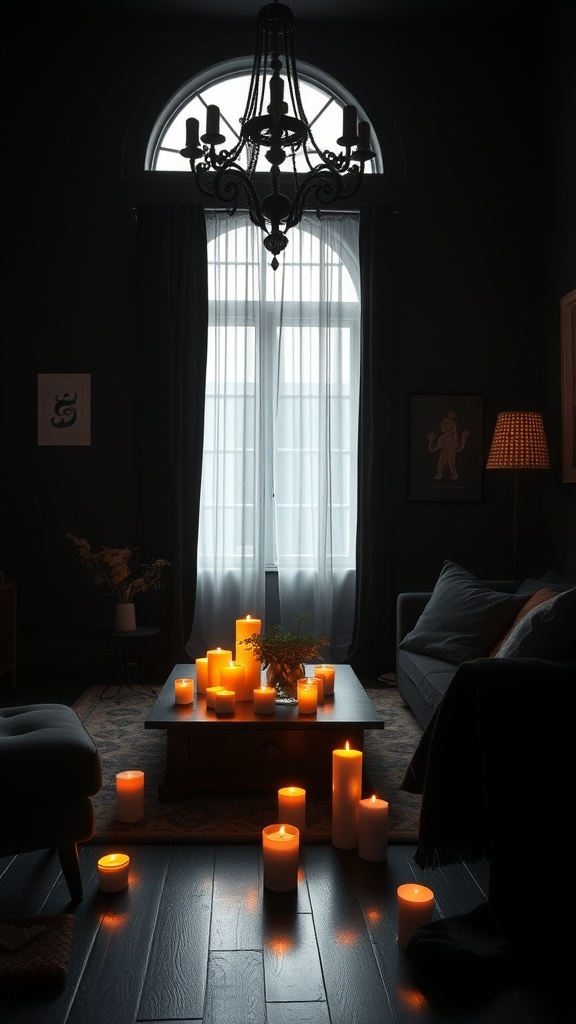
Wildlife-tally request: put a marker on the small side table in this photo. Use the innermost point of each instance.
(126, 647)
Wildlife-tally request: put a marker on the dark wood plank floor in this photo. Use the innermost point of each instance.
(195, 938)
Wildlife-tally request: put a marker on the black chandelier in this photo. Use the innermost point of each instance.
(219, 174)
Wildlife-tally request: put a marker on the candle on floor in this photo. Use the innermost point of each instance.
(210, 694)
(307, 696)
(252, 667)
(264, 700)
(415, 909)
(224, 701)
(328, 674)
(280, 856)
(346, 793)
(233, 677)
(373, 829)
(292, 806)
(129, 795)
(113, 872)
(183, 691)
(201, 674)
(319, 680)
(217, 658)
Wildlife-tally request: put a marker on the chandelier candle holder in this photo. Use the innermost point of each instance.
(282, 130)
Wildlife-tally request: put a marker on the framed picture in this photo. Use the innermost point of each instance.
(63, 408)
(568, 342)
(446, 447)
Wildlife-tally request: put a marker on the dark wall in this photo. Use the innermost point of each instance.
(478, 114)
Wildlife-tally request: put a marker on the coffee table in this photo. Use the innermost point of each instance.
(206, 752)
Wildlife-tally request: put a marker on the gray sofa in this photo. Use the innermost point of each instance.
(465, 618)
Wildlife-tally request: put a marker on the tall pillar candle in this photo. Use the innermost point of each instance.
(280, 856)
(346, 793)
(415, 909)
(292, 806)
(327, 672)
(201, 675)
(307, 696)
(252, 667)
(129, 796)
(373, 829)
(217, 658)
(233, 677)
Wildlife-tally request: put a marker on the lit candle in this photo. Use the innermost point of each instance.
(224, 701)
(201, 674)
(373, 829)
(217, 658)
(319, 680)
(346, 793)
(129, 795)
(280, 855)
(210, 693)
(192, 137)
(264, 700)
(292, 806)
(252, 667)
(233, 677)
(415, 909)
(113, 872)
(183, 691)
(307, 696)
(327, 674)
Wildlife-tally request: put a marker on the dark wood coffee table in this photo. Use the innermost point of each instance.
(206, 752)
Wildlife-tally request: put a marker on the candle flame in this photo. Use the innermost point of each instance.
(282, 830)
(373, 798)
(347, 745)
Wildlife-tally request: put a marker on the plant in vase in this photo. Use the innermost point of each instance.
(283, 654)
(122, 574)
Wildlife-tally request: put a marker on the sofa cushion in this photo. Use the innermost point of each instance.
(550, 580)
(463, 618)
(547, 631)
(537, 599)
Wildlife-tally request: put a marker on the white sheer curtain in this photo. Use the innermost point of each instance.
(278, 495)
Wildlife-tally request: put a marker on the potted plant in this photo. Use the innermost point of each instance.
(283, 654)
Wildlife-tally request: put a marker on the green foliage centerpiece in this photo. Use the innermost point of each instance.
(283, 654)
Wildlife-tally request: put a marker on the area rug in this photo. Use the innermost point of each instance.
(119, 733)
(36, 950)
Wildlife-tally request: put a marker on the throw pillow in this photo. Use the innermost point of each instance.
(550, 580)
(548, 631)
(538, 598)
(463, 618)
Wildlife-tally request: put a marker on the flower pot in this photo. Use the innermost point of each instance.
(125, 617)
(284, 676)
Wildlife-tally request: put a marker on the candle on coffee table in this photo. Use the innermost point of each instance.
(264, 700)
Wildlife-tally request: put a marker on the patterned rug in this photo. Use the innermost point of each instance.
(118, 731)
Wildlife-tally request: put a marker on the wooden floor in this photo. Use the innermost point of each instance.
(195, 938)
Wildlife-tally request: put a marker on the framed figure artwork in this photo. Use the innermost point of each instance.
(568, 352)
(64, 409)
(446, 458)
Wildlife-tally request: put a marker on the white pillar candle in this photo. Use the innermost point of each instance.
(292, 806)
(346, 793)
(280, 856)
(327, 672)
(415, 909)
(307, 696)
(264, 700)
(233, 677)
(210, 694)
(201, 675)
(252, 667)
(319, 680)
(217, 658)
(183, 691)
(129, 795)
(224, 701)
(113, 872)
(373, 829)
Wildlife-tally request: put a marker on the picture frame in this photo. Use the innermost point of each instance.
(568, 377)
(64, 413)
(446, 438)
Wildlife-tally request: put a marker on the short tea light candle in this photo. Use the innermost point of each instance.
(292, 806)
(233, 677)
(264, 700)
(217, 658)
(280, 856)
(114, 872)
(415, 909)
(183, 691)
(346, 793)
(130, 796)
(328, 674)
(201, 674)
(307, 696)
(224, 701)
(252, 667)
(211, 692)
(373, 829)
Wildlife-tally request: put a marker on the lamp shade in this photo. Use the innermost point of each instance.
(519, 442)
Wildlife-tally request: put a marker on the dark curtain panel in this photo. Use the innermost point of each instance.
(171, 339)
(373, 640)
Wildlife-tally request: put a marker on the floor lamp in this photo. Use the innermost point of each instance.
(519, 442)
